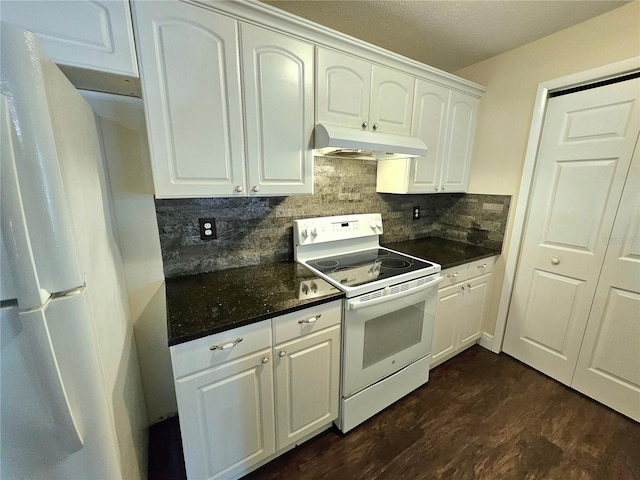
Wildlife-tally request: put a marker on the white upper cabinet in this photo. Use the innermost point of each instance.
(278, 98)
(344, 89)
(445, 120)
(191, 84)
(391, 101)
(354, 93)
(458, 150)
(94, 35)
(195, 78)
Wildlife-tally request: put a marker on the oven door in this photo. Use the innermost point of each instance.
(386, 333)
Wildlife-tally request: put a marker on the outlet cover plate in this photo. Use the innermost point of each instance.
(207, 228)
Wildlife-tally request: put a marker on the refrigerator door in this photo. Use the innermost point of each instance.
(45, 412)
(42, 251)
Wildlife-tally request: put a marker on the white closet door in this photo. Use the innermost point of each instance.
(608, 367)
(584, 155)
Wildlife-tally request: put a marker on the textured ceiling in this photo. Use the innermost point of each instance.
(447, 34)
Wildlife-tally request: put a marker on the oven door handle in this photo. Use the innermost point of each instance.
(355, 304)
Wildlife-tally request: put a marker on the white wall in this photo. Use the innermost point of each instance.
(124, 141)
(506, 109)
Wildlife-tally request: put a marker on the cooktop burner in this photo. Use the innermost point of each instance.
(367, 266)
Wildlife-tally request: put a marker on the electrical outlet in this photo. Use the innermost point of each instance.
(416, 213)
(207, 228)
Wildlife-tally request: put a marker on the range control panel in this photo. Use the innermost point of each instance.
(311, 231)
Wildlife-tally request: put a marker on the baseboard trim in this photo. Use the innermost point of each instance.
(486, 341)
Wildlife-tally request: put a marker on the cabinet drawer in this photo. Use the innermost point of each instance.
(303, 322)
(197, 355)
(453, 275)
(480, 267)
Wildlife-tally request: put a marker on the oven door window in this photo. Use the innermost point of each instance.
(392, 333)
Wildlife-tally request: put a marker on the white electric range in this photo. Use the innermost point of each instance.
(388, 313)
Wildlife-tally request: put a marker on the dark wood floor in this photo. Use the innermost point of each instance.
(481, 416)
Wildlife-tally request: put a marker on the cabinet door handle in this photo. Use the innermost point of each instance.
(452, 275)
(265, 360)
(365, 125)
(443, 188)
(282, 354)
(469, 286)
(256, 188)
(226, 346)
(375, 127)
(309, 320)
(239, 188)
(484, 265)
(555, 261)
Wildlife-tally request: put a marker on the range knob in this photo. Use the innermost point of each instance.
(304, 232)
(379, 224)
(314, 231)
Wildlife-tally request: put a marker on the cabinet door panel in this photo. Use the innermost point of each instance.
(227, 417)
(93, 35)
(344, 89)
(391, 101)
(307, 384)
(278, 92)
(429, 125)
(473, 312)
(462, 124)
(444, 329)
(191, 85)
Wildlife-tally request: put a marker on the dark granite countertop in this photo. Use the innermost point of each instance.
(208, 303)
(447, 253)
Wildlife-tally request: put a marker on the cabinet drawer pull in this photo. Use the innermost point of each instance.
(309, 320)
(484, 265)
(265, 360)
(226, 346)
(452, 275)
(282, 354)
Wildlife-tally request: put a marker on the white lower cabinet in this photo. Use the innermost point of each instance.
(242, 401)
(307, 384)
(460, 310)
(227, 417)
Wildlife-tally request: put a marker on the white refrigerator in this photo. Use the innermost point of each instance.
(71, 398)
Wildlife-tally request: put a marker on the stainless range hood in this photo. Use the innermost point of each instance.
(332, 140)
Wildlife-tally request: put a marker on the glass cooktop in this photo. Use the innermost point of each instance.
(366, 266)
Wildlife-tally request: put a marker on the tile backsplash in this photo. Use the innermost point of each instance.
(252, 231)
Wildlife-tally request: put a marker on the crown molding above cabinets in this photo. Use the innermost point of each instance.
(230, 100)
